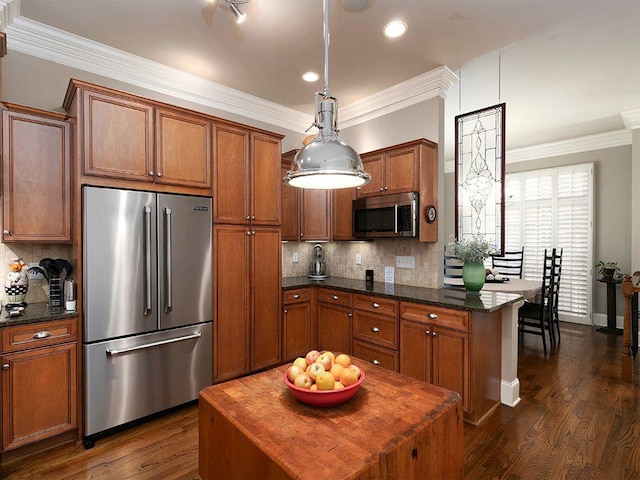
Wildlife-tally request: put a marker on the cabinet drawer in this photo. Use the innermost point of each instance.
(457, 319)
(35, 335)
(337, 297)
(296, 295)
(379, 305)
(376, 329)
(375, 355)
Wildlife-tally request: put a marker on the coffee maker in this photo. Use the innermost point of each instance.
(317, 268)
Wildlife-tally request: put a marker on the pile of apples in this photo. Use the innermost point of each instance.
(323, 371)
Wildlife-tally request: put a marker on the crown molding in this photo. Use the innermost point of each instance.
(570, 146)
(631, 119)
(42, 41)
(431, 84)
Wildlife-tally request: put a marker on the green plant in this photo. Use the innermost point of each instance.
(472, 251)
(608, 270)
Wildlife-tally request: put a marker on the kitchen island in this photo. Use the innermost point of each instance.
(484, 304)
(394, 427)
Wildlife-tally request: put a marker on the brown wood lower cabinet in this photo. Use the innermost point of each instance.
(39, 382)
(334, 320)
(456, 350)
(299, 323)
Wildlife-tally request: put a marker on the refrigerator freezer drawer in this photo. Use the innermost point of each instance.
(130, 378)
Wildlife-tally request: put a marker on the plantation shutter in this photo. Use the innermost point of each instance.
(554, 208)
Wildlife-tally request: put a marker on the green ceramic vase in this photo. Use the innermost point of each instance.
(473, 276)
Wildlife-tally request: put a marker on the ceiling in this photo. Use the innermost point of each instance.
(266, 55)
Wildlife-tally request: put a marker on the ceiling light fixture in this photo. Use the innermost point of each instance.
(327, 162)
(310, 77)
(233, 5)
(395, 29)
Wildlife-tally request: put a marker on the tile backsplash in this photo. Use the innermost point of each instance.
(38, 289)
(340, 258)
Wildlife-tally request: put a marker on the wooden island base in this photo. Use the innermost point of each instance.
(394, 427)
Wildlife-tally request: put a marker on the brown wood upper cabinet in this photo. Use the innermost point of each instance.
(36, 186)
(127, 137)
(247, 181)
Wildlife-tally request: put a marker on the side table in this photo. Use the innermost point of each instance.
(611, 308)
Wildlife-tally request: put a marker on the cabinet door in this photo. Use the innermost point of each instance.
(451, 362)
(230, 174)
(117, 137)
(374, 165)
(342, 214)
(296, 320)
(334, 328)
(265, 297)
(415, 350)
(289, 207)
(231, 302)
(183, 149)
(315, 215)
(266, 182)
(38, 394)
(401, 170)
(36, 186)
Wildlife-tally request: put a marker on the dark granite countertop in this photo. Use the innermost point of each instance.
(442, 297)
(34, 313)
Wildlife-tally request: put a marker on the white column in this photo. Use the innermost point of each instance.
(510, 387)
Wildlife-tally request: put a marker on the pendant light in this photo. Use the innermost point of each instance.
(327, 162)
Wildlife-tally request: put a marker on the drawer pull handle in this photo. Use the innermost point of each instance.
(335, 297)
(5, 366)
(41, 335)
(432, 315)
(375, 329)
(375, 305)
(297, 295)
(375, 362)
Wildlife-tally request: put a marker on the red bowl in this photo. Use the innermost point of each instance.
(324, 398)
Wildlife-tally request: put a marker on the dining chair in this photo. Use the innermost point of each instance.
(452, 271)
(537, 318)
(509, 264)
(556, 273)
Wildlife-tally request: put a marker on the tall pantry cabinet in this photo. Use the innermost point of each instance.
(247, 250)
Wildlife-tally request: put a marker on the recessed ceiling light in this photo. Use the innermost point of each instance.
(310, 77)
(394, 29)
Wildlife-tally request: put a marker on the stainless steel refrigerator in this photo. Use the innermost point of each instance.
(147, 303)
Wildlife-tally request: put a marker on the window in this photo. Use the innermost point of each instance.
(554, 208)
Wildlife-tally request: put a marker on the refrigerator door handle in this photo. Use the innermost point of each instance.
(147, 260)
(167, 261)
(114, 352)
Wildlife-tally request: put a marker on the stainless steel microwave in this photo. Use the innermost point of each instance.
(386, 216)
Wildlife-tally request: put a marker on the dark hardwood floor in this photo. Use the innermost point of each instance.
(576, 420)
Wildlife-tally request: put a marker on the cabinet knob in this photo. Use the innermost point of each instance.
(297, 295)
(350, 314)
(375, 362)
(253, 217)
(386, 188)
(433, 333)
(286, 311)
(375, 329)
(151, 173)
(302, 235)
(5, 366)
(6, 232)
(427, 332)
(248, 217)
(248, 232)
(432, 315)
(381, 189)
(159, 174)
(335, 297)
(375, 305)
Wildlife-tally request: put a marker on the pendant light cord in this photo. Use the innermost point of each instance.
(325, 8)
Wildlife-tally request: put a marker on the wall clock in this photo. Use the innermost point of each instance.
(430, 213)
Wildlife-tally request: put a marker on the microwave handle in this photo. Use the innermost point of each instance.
(395, 220)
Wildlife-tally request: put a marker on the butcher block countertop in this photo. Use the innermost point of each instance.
(394, 427)
(443, 297)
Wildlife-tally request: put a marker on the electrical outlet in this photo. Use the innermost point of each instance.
(35, 275)
(358, 259)
(294, 258)
(405, 262)
(388, 275)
